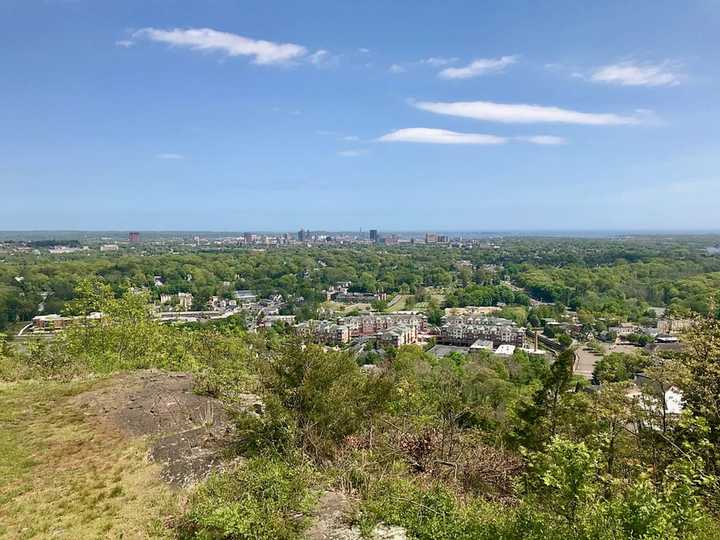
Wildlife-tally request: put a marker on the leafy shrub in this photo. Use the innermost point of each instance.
(38, 359)
(326, 394)
(432, 513)
(272, 430)
(264, 499)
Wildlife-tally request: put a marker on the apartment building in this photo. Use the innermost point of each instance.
(466, 330)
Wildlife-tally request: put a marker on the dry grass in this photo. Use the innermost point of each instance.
(62, 476)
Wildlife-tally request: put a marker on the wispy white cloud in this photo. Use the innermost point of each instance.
(633, 74)
(318, 57)
(439, 136)
(518, 113)
(207, 39)
(433, 61)
(351, 138)
(126, 43)
(170, 156)
(542, 139)
(364, 50)
(352, 153)
(437, 61)
(481, 66)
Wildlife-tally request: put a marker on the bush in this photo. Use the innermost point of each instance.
(264, 499)
(39, 359)
(432, 513)
(325, 394)
(271, 431)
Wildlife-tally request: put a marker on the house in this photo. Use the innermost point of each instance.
(650, 331)
(245, 296)
(672, 398)
(625, 329)
(270, 320)
(673, 326)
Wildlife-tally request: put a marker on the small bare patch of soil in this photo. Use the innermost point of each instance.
(331, 521)
(330, 518)
(187, 432)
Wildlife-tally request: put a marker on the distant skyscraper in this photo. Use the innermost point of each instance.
(373, 235)
(301, 235)
(134, 237)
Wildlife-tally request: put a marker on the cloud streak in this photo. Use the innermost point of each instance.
(439, 136)
(170, 156)
(209, 40)
(632, 74)
(318, 57)
(519, 113)
(476, 68)
(437, 61)
(444, 136)
(549, 140)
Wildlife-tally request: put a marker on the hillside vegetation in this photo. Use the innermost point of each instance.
(460, 447)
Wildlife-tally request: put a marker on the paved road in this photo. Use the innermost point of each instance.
(24, 329)
(585, 361)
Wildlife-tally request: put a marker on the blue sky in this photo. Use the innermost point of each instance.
(402, 115)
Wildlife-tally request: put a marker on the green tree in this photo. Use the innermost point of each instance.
(537, 420)
(702, 385)
(563, 478)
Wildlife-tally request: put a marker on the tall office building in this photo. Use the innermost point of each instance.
(373, 235)
(301, 235)
(134, 237)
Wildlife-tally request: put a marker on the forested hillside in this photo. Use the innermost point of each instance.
(315, 441)
(618, 279)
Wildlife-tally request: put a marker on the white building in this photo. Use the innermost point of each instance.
(185, 300)
(505, 350)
